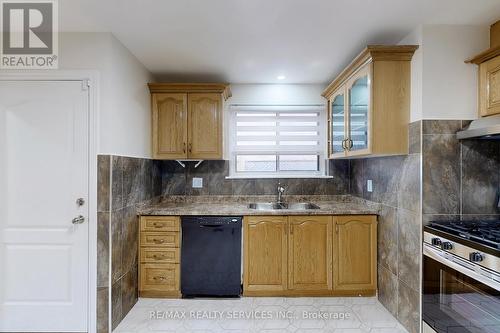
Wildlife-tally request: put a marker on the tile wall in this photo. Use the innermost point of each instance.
(396, 186)
(177, 180)
(461, 179)
(123, 183)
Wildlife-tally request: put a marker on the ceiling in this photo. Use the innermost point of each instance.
(255, 41)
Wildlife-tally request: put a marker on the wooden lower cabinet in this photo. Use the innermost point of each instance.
(159, 280)
(265, 254)
(159, 256)
(310, 255)
(355, 252)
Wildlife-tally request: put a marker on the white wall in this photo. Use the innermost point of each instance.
(124, 121)
(450, 85)
(415, 38)
(443, 86)
(127, 125)
(276, 94)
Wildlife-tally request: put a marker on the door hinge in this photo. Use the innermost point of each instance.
(86, 84)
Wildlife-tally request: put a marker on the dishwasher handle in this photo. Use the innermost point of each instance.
(210, 226)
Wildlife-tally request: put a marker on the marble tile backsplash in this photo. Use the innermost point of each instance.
(461, 179)
(123, 183)
(397, 187)
(177, 180)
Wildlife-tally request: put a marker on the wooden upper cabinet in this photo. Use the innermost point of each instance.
(489, 74)
(376, 103)
(489, 87)
(489, 81)
(187, 120)
(205, 126)
(355, 251)
(310, 253)
(170, 129)
(265, 254)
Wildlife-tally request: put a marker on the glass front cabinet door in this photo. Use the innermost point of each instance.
(358, 109)
(369, 104)
(349, 117)
(337, 123)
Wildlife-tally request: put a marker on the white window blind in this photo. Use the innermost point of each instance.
(277, 140)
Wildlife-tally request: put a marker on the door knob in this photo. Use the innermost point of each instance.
(78, 220)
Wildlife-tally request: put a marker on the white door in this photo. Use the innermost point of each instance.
(43, 171)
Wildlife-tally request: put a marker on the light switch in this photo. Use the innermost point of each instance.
(197, 182)
(369, 185)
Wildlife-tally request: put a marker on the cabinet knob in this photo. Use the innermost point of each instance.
(446, 245)
(475, 257)
(436, 241)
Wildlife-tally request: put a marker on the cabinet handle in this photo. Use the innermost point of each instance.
(160, 278)
(291, 229)
(158, 241)
(158, 225)
(336, 228)
(157, 257)
(184, 147)
(190, 147)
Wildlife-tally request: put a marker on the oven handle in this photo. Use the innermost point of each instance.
(439, 256)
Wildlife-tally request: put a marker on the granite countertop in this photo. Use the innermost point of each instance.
(238, 205)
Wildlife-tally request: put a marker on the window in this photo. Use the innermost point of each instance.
(277, 141)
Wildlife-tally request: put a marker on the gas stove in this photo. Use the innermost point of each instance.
(485, 233)
(461, 276)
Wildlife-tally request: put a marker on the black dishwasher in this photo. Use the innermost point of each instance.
(211, 256)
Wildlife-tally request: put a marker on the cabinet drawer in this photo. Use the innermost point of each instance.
(160, 223)
(159, 277)
(160, 239)
(155, 255)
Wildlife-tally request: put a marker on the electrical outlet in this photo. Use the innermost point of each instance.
(369, 185)
(197, 182)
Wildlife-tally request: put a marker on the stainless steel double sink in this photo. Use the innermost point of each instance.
(278, 206)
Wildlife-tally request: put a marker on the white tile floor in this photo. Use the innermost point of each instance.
(360, 314)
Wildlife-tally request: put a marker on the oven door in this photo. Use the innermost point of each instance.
(456, 298)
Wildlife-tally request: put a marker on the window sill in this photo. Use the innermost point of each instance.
(277, 177)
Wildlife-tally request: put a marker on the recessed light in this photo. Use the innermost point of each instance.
(281, 77)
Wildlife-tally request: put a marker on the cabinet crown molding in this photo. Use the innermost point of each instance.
(221, 88)
(484, 56)
(369, 54)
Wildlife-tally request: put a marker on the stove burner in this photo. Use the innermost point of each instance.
(483, 232)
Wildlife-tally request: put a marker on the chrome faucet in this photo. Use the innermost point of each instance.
(280, 189)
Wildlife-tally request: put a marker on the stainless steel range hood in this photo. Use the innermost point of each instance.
(487, 128)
